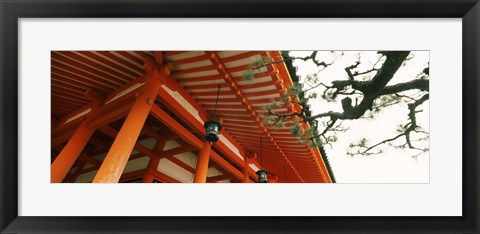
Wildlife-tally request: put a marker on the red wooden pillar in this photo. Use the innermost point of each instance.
(72, 150)
(153, 163)
(202, 163)
(245, 170)
(117, 157)
(148, 177)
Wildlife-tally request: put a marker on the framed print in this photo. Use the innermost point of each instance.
(126, 94)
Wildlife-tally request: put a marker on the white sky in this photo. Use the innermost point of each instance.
(392, 166)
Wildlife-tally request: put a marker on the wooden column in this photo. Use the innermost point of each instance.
(245, 170)
(65, 160)
(202, 163)
(148, 177)
(117, 157)
(153, 163)
(72, 150)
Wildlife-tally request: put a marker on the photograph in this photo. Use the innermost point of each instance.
(240, 116)
(266, 116)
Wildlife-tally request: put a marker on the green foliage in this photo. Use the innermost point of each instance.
(296, 131)
(312, 79)
(302, 92)
(361, 148)
(256, 64)
(332, 138)
(295, 89)
(248, 75)
(329, 96)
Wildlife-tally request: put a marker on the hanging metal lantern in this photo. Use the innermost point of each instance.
(212, 127)
(262, 176)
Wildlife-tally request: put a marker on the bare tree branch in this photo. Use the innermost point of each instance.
(372, 95)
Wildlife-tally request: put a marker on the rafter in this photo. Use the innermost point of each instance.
(228, 79)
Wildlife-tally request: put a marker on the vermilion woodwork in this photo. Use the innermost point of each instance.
(122, 147)
(202, 163)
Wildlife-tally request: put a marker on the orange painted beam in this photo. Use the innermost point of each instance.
(111, 132)
(152, 133)
(75, 68)
(186, 81)
(213, 164)
(215, 179)
(191, 139)
(223, 87)
(202, 163)
(62, 123)
(60, 90)
(284, 76)
(59, 139)
(182, 164)
(177, 150)
(59, 77)
(105, 114)
(153, 165)
(195, 69)
(72, 150)
(214, 58)
(162, 177)
(172, 53)
(154, 161)
(117, 157)
(65, 160)
(87, 65)
(189, 60)
(242, 113)
(64, 86)
(245, 55)
(148, 178)
(131, 88)
(226, 165)
(132, 175)
(158, 57)
(272, 178)
(111, 117)
(96, 56)
(258, 85)
(239, 68)
(59, 71)
(133, 58)
(118, 58)
(255, 76)
(176, 127)
(213, 95)
(245, 171)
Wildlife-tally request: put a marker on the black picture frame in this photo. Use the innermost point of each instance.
(11, 11)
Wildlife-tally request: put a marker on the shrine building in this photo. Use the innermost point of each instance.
(176, 117)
